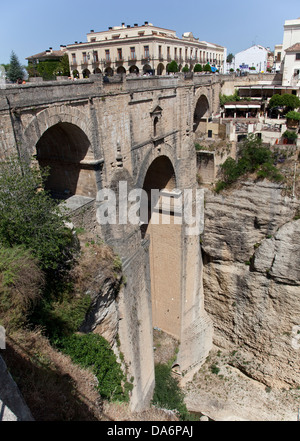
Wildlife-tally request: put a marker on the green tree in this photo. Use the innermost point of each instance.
(63, 67)
(47, 69)
(287, 101)
(15, 71)
(207, 68)
(29, 217)
(229, 58)
(185, 68)
(172, 66)
(198, 68)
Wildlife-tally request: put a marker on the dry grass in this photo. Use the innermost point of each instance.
(55, 389)
(97, 260)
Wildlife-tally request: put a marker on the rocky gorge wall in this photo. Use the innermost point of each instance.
(251, 277)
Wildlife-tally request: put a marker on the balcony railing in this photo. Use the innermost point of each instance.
(106, 62)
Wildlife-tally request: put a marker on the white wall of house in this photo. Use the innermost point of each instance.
(255, 56)
(291, 33)
(291, 63)
(291, 71)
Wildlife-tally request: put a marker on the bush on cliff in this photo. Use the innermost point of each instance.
(29, 217)
(252, 157)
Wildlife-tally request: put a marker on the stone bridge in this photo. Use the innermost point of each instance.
(138, 131)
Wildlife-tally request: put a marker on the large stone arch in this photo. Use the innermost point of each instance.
(165, 235)
(49, 117)
(60, 138)
(163, 150)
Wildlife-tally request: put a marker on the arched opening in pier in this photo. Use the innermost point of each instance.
(65, 149)
(200, 114)
(165, 245)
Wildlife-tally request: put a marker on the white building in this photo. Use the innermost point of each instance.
(290, 66)
(140, 49)
(255, 59)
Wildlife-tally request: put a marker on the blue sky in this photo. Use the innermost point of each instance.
(32, 26)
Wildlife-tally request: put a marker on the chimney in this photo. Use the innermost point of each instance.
(92, 30)
(123, 25)
(128, 26)
(135, 24)
(146, 23)
(110, 28)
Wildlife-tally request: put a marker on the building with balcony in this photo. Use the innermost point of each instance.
(140, 50)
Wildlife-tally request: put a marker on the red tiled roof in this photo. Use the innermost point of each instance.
(47, 54)
(294, 48)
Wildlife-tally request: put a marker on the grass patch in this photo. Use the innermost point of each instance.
(167, 392)
(93, 351)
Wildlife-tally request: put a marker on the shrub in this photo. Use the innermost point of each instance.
(31, 218)
(253, 157)
(293, 115)
(172, 66)
(167, 393)
(21, 281)
(290, 135)
(92, 350)
(198, 68)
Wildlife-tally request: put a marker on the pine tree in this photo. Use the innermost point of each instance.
(15, 71)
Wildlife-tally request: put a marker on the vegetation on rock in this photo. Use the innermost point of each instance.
(252, 157)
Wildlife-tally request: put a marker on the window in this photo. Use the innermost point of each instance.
(107, 55)
(278, 57)
(73, 58)
(168, 53)
(93, 40)
(95, 56)
(120, 57)
(132, 53)
(84, 57)
(298, 56)
(146, 52)
(175, 53)
(159, 52)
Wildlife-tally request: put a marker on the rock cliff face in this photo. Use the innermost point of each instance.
(251, 251)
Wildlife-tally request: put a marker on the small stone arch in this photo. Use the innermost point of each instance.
(86, 73)
(97, 71)
(134, 69)
(109, 71)
(160, 69)
(201, 113)
(121, 70)
(147, 68)
(75, 73)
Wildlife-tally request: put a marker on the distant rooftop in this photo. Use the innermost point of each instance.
(294, 48)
